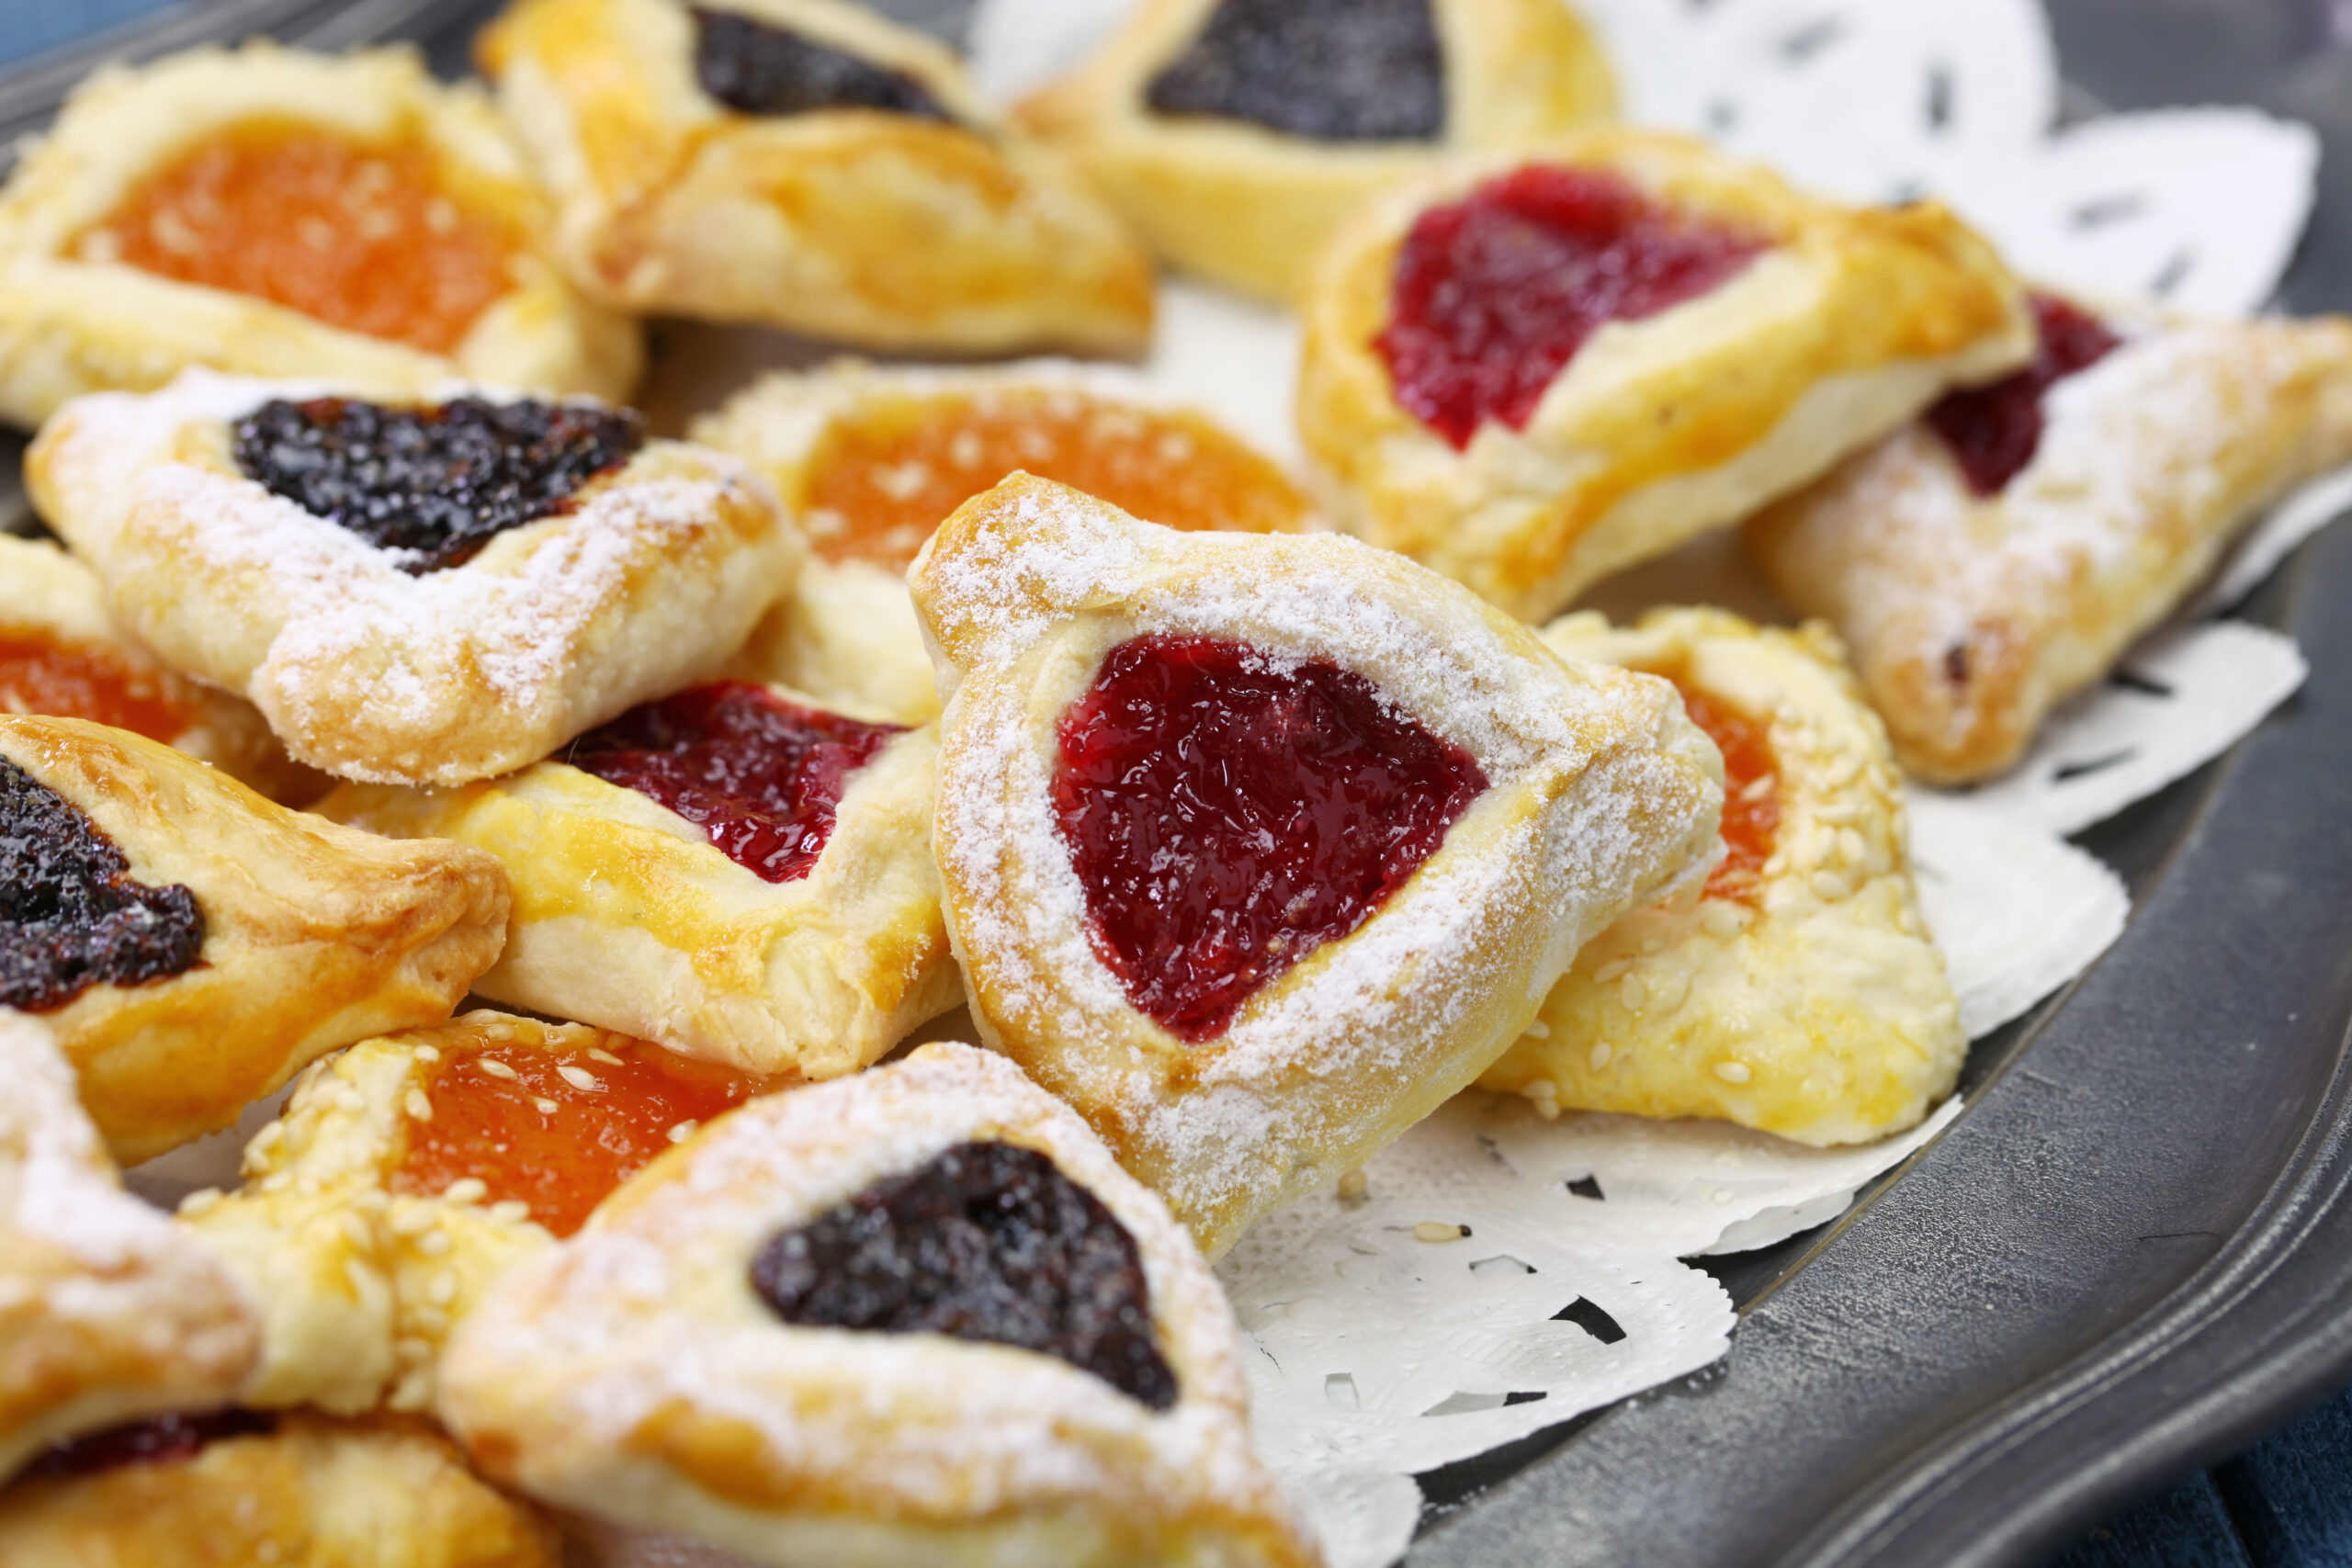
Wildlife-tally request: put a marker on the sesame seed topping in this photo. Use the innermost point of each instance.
(1436, 1230)
(417, 1104)
(467, 1190)
(578, 1077)
(682, 1130)
(546, 1107)
(497, 1069)
(1353, 1184)
(1733, 1072)
(1600, 1056)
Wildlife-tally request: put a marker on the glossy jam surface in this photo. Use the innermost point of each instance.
(762, 776)
(1994, 431)
(439, 481)
(1494, 294)
(159, 1439)
(37, 675)
(1325, 70)
(359, 235)
(878, 485)
(1228, 815)
(756, 68)
(985, 1242)
(1751, 795)
(558, 1129)
(71, 915)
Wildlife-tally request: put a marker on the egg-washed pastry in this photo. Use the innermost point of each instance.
(413, 592)
(805, 164)
(1236, 134)
(108, 1310)
(276, 213)
(408, 1173)
(1257, 847)
(293, 1491)
(1534, 368)
(1999, 555)
(1800, 994)
(870, 460)
(193, 946)
(63, 654)
(733, 871)
(919, 1315)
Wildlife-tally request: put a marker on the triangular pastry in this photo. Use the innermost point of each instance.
(1257, 847)
(919, 1314)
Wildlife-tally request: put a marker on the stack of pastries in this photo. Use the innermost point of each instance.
(585, 821)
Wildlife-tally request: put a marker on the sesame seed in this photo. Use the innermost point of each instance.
(546, 1107)
(1829, 887)
(427, 1053)
(1733, 1072)
(1539, 1030)
(1354, 1184)
(599, 1053)
(444, 1288)
(511, 1210)
(578, 1077)
(682, 1130)
(497, 1069)
(433, 1243)
(1721, 921)
(277, 1181)
(1850, 848)
(417, 1105)
(1611, 970)
(1541, 1089)
(199, 1200)
(1436, 1230)
(467, 1190)
(1599, 1056)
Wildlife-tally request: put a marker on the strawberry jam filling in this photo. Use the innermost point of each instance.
(1751, 796)
(158, 1439)
(1495, 294)
(37, 675)
(1325, 70)
(1228, 813)
(1994, 432)
(880, 484)
(762, 776)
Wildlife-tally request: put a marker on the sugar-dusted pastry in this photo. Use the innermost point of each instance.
(1999, 555)
(919, 1315)
(870, 460)
(1800, 994)
(193, 946)
(408, 1173)
(413, 592)
(806, 164)
(1257, 847)
(293, 1491)
(1533, 367)
(1236, 134)
(278, 213)
(108, 1310)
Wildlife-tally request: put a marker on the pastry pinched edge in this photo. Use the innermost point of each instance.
(1602, 796)
(1248, 206)
(315, 934)
(649, 578)
(886, 229)
(1813, 1006)
(71, 323)
(1971, 618)
(632, 1373)
(1851, 321)
(108, 1310)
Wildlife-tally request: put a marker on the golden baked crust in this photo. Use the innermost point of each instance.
(314, 1493)
(875, 228)
(315, 935)
(74, 320)
(108, 1310)
(1602, 796)
(1972, 617)
(1248, 207)
(633, 1373)
(627, 917)
(1851, 321)
(1812, 1003)
(649, 578)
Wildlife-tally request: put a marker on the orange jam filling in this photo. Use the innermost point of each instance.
(1751, 795)
(560, 1129)
(361, 235)
(880, 484)
(40, 676)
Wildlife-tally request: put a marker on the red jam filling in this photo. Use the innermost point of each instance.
(40, 676)
(1994, 431)
(1494, 294)
(1228, 814)
(762, 776)
(158, 1439)
(1751, 796)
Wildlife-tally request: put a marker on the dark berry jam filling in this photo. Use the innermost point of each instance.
(762, 776)
(441, 482)
(987, 1242)
(1494, 294)
(160, 1439)
(1228, 814)
(758, 68)
(1994, 431)
(1325, 70)
(71, 916)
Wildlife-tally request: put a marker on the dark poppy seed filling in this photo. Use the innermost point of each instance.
(159, 1439)
(987, 1242)
(758, 68)
(71, 916)
(440, 482)
(1324, 70)
(1994, 431)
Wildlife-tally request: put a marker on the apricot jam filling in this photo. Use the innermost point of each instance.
(1227, 813)
(878, 484)
(362, 235)
(1994, 432)
(1325, 70)
(1751, 795)
(1495, 294)
(40, 675)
